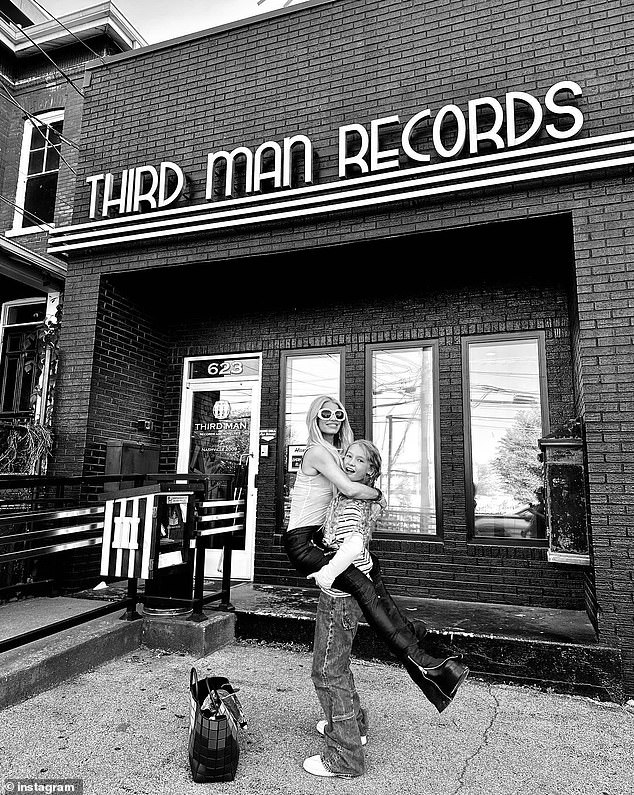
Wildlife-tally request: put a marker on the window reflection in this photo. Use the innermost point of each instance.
(307, 377)
(403, 430)
(505, 409)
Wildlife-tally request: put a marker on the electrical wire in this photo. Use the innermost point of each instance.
(34, 119)
(59, 22)
(48, 57)
(37, 124)
(26, 212)
(22, 175)
(44, 53)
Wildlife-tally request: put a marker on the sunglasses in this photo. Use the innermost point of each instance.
(329, 414)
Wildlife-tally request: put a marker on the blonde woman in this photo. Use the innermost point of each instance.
(320, 478)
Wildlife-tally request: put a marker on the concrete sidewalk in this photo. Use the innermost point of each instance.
(123, 728)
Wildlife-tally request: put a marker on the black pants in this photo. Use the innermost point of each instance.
(377, 605)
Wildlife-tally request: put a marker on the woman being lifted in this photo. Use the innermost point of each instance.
(320, 478)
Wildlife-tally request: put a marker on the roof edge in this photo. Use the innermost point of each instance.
(92, 19)
(24, 256)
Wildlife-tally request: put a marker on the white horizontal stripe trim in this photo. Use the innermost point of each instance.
(343, 194)
(219, 503)
(215, 531)
(219, 517)
(125, 236)
(537, 151)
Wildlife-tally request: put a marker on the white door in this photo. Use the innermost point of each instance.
(220, 418)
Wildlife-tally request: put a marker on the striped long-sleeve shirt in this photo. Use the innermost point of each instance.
(345, 517)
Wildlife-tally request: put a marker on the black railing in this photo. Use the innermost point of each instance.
(217, 520)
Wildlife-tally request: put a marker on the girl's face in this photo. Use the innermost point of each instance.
(331, 426)
(356, 464)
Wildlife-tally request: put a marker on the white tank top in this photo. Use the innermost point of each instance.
(311, 497)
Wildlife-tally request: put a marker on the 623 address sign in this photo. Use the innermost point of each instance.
(224, 368)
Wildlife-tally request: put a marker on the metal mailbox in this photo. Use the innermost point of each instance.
(146, 530)
(565, 498)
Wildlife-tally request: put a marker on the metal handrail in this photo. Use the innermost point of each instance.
(90, 534)
(48, 516)
(204, 535)
(53, 532)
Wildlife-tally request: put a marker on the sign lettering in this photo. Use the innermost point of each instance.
(443, 134)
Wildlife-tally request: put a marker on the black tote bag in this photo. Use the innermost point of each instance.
(215, 720)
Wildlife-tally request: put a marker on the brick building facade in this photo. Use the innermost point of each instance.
(42, 62)
(511, 241)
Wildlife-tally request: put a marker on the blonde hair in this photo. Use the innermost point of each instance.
(374, 458)
(344, 436)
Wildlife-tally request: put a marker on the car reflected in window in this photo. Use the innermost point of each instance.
(529, 522)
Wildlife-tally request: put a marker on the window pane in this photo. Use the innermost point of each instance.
(52, 159)
(505, 417)
(403, 430)
(9, 375)
(26, 313)
(36, 162)
(18, 370)
(307, 377)
(54, 132)
(39, 201)
(26, 386)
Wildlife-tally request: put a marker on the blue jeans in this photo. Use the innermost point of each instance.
(335, 629)
(378, 607)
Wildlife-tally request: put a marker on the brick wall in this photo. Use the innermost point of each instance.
(128, 375)
(605, 256)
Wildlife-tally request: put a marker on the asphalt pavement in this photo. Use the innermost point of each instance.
(123, 728)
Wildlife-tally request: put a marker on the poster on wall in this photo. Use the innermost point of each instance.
(294, 458)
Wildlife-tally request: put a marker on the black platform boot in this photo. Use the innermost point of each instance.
(438, 682)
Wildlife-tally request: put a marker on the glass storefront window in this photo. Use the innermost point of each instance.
(307, 377)
(403, 430)
(505, 409)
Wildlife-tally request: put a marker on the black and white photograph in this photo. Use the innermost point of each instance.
(316, 404)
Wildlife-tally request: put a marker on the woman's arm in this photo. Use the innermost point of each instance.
(345, 556)
(321, 460)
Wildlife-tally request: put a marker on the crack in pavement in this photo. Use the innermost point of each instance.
(483, 742)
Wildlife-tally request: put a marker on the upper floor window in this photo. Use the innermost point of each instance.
(18, 367)
(506, 413)
(403, 422)
(38, 171)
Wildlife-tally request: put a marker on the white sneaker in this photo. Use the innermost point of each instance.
(314, 765)
(321, 728)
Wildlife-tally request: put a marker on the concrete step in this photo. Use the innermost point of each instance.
(48, 661)
(550, 649)
(44, 663)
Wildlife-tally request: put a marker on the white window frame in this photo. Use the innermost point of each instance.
(27, 136)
